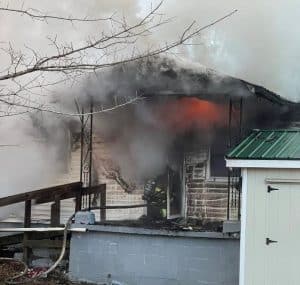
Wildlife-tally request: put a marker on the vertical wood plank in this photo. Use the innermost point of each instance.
(55, 213)
(103, 204)
(78, 202)
(27, 224)
(27, 215)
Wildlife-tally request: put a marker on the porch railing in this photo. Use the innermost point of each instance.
(234, 188)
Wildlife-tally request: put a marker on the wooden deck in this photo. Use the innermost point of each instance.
(53, 196)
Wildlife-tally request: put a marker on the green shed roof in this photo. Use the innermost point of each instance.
(269, 144)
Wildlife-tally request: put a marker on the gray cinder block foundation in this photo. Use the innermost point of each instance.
(231, 226)
(135, 256)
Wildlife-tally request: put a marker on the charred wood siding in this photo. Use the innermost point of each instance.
(115, 194)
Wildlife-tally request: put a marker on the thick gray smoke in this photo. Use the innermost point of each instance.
(34, 149)
(142, 136)
(31, 154)
(258, 44)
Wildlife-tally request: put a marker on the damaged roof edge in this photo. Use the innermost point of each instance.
(259, 91)
(168, 76)
(263, 92)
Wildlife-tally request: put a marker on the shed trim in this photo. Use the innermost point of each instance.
(282, 181)
(260, 163)
(243, 227)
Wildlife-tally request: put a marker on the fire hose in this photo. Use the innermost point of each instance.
(14, 280)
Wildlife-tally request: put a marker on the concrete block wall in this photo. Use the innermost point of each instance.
(134, 258)
(205, 198)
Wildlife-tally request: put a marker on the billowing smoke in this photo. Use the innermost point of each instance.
(34, 148)
(180, 99)
(143, 136)
(258, 44)
(33, 152)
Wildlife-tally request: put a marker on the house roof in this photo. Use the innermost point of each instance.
(163, 76)
(268, 145)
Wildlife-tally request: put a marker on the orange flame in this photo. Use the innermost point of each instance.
(189, 113)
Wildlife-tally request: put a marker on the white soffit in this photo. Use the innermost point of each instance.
(249, 163)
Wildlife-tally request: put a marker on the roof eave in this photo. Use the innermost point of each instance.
(263, 163)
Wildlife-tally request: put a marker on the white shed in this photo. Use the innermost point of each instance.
(270, 217)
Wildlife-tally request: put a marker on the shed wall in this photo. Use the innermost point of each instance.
(254, 259)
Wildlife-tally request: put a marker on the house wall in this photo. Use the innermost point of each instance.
(136, 256)
(206, 197)
(266, 215)
(115, 194)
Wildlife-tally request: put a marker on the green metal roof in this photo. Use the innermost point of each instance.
(269, 144)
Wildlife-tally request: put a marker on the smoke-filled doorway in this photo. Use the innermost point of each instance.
(196, 156)
(165, 193)
(175, 193)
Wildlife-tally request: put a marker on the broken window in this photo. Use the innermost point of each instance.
(218, 150)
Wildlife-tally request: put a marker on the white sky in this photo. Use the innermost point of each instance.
(260, 43)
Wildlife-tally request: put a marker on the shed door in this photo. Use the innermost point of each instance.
(283, 231)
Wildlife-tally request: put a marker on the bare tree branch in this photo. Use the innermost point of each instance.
(27, 73)
(38, 15)
(54, 64)
(48, 110)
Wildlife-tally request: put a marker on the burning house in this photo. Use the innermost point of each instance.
(161, 156)
(168, 149)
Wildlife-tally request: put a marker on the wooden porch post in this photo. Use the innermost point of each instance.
(27, 224)
(55, 212)
(103, 204)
